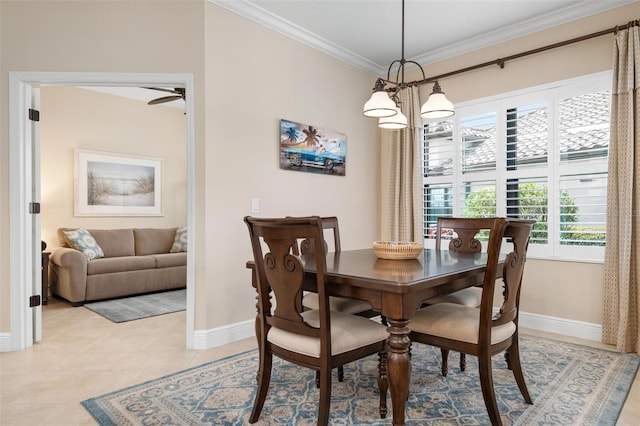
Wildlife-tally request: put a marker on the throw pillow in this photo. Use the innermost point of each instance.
(179, 241)
(83, 241)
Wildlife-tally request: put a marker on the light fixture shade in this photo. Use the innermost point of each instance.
(398, 121)
(380, 105)
(437, 105)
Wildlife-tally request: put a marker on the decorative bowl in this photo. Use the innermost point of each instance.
(397, 250)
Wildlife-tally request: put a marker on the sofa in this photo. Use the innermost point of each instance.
(121, 262)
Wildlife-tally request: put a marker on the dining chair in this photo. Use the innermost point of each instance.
(462, 235)
(320, 339)
(477, 331)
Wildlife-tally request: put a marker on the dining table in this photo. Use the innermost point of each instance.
(395, 288)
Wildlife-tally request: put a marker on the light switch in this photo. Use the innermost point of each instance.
(255, 205)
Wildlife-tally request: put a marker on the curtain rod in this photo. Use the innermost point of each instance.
(501, 61)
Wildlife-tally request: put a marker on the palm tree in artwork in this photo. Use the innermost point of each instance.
(313, 139)
(292, 135)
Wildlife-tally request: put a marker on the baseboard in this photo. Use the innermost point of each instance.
(207, 339)
(568, 327)
(5, 342)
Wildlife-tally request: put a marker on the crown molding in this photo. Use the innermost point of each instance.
(568, 14)
(539, 23)
(270, 20)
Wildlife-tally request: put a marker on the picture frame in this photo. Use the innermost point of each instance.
(110, 184)
(306, 148)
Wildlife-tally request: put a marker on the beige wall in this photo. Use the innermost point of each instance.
(255, 77)
(74, 118)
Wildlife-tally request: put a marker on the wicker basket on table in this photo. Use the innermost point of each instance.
(397, 250)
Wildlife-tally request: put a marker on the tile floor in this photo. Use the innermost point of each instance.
(83, 355)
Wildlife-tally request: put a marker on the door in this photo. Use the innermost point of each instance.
(34, 208)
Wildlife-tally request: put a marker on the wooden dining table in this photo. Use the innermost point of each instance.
(396, 288)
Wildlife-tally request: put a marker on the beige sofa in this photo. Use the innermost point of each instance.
(135, 261)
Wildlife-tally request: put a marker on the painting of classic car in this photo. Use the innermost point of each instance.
(306, 148)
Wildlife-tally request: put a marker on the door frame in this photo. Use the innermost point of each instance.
(21, 262)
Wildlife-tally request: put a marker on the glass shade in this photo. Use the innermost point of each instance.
(437, 106)
(380, 105)
(398, 121)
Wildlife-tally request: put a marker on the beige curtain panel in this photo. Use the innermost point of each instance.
(621, 308)
(401, 215)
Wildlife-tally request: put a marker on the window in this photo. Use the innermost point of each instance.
(537, 154)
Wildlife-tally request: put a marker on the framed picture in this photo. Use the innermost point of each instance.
(306, 148)
(109, 184)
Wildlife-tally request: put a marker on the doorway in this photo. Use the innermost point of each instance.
(23, 238)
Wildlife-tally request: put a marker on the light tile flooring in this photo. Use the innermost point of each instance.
(83, 355)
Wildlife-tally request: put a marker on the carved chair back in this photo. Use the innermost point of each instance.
(516, 235)
(462, 233)
(281, 273)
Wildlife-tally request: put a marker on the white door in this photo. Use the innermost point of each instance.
(34, 208)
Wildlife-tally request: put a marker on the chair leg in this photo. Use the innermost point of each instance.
(507, 359)
(383, 383)
(340, 376)
(325, 397)
(463, 361)
(264, 378)
(488, 393)
(516, 367)
(445, 361)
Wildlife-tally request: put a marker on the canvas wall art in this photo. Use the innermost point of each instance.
(109, 184)
(306, 148)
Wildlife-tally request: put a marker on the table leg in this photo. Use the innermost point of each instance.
(399, 366)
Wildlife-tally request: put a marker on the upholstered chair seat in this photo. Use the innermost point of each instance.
(467, 297)
(348, 332)
(339, 304)
(457, 322)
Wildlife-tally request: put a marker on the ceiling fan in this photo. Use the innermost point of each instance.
(178, 93)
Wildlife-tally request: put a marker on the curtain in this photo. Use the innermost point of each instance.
(621, 304)
(401, 215)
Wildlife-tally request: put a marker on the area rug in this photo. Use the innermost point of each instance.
(143, 306)
(570, 385)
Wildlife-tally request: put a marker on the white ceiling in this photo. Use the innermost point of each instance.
(368, 33)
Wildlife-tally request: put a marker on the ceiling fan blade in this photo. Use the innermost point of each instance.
(164, 99)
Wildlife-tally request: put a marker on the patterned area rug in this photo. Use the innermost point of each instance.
(143, 306)
(570, 385)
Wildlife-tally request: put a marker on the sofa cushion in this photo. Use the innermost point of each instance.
(168, 260)
(115, 242)
(180, 241)
(83, 241)
(153, 240)
(109, 265)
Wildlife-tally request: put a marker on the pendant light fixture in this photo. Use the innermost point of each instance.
(437, 105)
(383, 103)
(396, 121)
